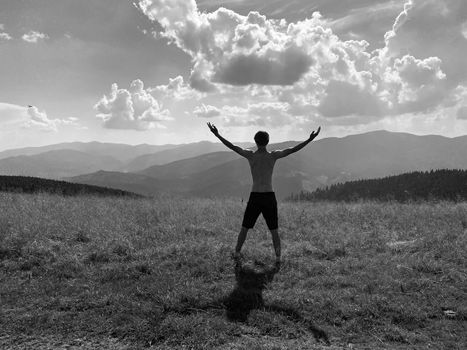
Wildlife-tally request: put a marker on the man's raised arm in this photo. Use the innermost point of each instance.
(288, 151)
(243, 152)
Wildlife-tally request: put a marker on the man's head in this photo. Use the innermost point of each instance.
(262, 138)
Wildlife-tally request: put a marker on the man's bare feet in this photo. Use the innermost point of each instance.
(277, 264)
(236, 255)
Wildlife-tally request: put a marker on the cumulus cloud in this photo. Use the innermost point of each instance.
(3, 35)
(310, 70)
(40, 120)
(230, 48)
(433, 28)
(400, 20)
(303, 64)
(16, 116)
(34, 37)
(464, 29)
(177, 89)
(134, 108)
(207, 111)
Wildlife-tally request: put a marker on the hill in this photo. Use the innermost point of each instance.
(57, 164)
(138, 183)
(323, 163)
(185, 167)
(433, 185)
(176, 153)
(208, 169)
(121, 152)
(383, 153)
(218, 174)
(25, 184)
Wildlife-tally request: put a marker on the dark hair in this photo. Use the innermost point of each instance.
(262, 138)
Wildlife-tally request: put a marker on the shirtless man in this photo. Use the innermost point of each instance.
(262, 198)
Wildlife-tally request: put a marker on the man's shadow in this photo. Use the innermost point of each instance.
(251, 280)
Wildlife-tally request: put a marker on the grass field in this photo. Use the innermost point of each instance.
(106, 273)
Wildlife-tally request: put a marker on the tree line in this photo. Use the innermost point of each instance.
(443, 184)
(27, 184)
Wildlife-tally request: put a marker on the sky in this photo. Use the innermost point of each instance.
(156, 71)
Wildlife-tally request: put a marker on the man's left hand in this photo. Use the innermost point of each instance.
(314, 134)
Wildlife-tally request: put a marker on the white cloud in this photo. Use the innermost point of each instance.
(433, 28)
(134, 108)
(400, 20)
(464, 29)
(3, 35)
(369, 22)
(303, 65)
(15, 116)
(34, 37)
(41, 121)
(176, 90)
(230, 48)
(206, 111)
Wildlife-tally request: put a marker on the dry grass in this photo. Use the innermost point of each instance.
(89, 272)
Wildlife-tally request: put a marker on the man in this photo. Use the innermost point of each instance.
(262, 198)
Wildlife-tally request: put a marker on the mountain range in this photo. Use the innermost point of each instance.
(121, 152)
(210, 169)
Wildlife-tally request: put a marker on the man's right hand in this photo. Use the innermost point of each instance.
(314, 134)
(213, 129)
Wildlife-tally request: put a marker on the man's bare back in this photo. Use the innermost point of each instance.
(261, 166)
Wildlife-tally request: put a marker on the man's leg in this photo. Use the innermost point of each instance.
(269, 211)
(276, 241)
(240, 240)
(252, 212)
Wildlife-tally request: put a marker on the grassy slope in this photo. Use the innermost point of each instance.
(127, 273)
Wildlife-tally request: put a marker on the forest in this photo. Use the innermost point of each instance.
(444, 184)
(27, 184)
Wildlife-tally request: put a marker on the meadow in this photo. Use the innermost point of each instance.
(94, 272)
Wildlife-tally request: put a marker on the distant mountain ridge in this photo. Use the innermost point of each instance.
(57, 164)
(118, 151)
(210, 169)
(322, 163)
(177, 153)
(77, 158)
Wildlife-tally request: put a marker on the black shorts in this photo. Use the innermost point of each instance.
(261, 203)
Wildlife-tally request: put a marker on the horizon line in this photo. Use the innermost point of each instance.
(205, 140)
